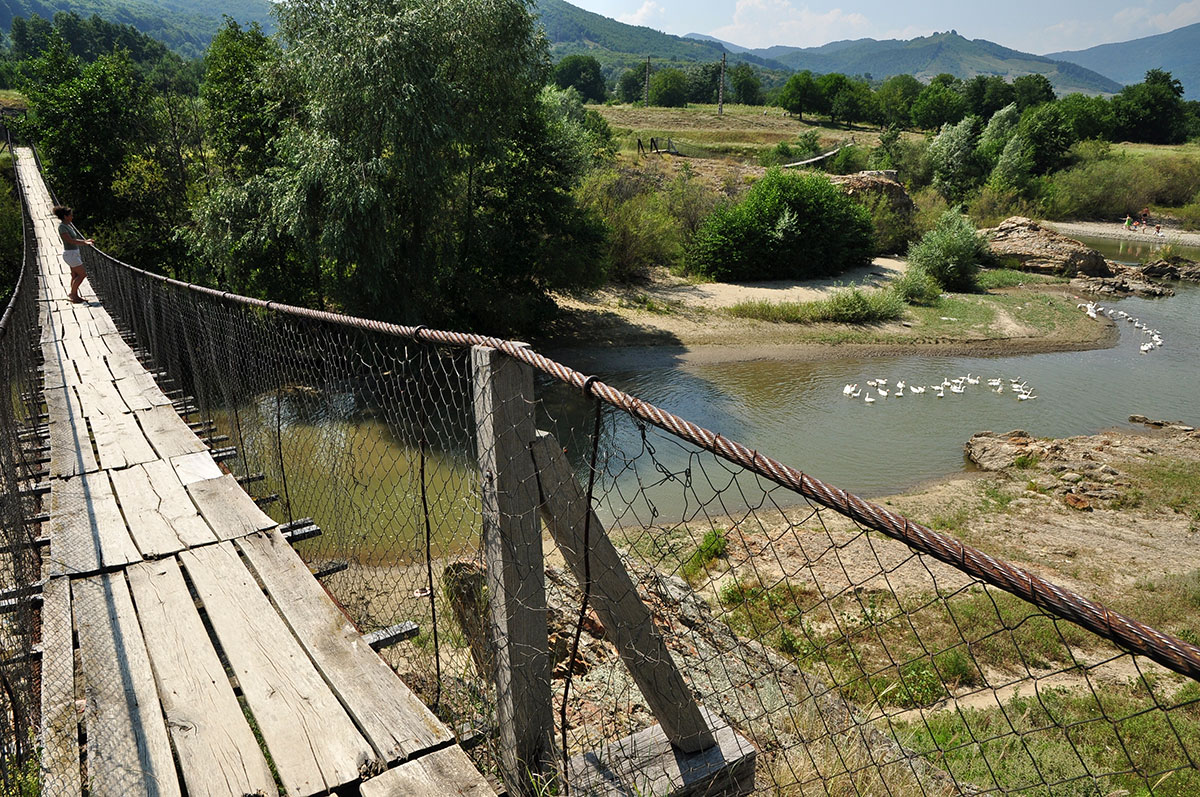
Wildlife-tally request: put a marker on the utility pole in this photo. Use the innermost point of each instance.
(721, 88)
(646, 85)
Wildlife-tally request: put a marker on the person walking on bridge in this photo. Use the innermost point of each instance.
(72, 240)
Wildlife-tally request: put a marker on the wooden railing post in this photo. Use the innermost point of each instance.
(512, 534)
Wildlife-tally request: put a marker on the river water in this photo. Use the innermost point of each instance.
(797, 413)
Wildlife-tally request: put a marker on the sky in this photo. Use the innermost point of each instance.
(1032, 27)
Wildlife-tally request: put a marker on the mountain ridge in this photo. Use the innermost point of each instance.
(1177, 51)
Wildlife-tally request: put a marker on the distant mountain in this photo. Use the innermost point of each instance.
(186, 26)
(931, 55)
(616, 45)
(733, 48)
(1178, 52)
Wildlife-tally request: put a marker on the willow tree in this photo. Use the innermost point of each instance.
(418, 130)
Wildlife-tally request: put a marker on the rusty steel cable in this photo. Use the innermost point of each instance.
(1132, 635)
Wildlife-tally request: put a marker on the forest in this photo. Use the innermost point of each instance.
(362, 159)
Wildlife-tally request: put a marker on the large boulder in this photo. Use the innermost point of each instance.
(866, 186)
(1035, 248)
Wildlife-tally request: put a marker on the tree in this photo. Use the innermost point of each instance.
(1151, 111)
(997, 132)
(896, 97)
(956, 169)
(986, 94)
(845, 99)
(631, 85)
(747, 88)
(582, 73)
(1032, 90)
(409, 196)
(669, 88)
(1089, 117)
(702, 82)
(1049, 133)
(937, 105)
(242, 110)
(800, 94)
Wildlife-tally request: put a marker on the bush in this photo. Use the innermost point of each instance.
(952, 253)
(850, 159)
(995, 203)
(915, 286)
(1189, 214)
(1110, 187)
(789, 226)
(894, 230)
(930, 207)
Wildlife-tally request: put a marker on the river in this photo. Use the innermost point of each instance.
(797, 413)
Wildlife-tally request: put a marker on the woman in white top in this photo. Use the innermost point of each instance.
(72, 240)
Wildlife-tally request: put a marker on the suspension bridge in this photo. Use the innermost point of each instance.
(162, 634)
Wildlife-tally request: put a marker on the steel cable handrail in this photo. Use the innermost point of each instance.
(1132, 635)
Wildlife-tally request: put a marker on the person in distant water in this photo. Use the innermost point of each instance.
(72, 240)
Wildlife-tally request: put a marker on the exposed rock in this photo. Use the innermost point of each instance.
(1175, 426)
(865, 187)
(1125, 281)
(1173, 268)
(1077, 502)
(992, 451)
(1036, 248)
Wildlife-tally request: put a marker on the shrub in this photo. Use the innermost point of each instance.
(846, 306)
(1110, 187)
(930, 207)
(915, 286)
(951, 252)
(1189, 214)
(894, 230)
(789, 226)
(848, 160)
(995, 203)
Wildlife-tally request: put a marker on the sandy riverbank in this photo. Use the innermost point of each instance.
(1103, 229)
(669, 318)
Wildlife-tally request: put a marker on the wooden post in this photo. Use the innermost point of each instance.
(721, 88)
(646, 84)
(516, 574)
(627, 621)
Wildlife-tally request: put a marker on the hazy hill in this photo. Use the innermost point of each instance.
(1178, 52)
(186, 26)
(616, 45)
(927, 56)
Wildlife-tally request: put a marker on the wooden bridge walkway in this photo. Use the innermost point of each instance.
(186, 648)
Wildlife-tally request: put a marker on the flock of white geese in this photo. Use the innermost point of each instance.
(877, 389)
(1151, 338)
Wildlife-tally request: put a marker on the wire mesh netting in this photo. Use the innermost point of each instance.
(23, 453)
(544, 541)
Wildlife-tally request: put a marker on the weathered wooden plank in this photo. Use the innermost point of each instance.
(168, 433)
(647, 763)
(122, 364)
(100, 396)
(128, 749)
(627, 622)
(161, 517)
(60, 721)
(395, 721)
(312, 741)
(119, 441)
(197, 467)
(70, 441)
(58, 370)
(141, 392)
(431, 775)
(229, 511)
(503, 399)
(217, 751)
(86, 528)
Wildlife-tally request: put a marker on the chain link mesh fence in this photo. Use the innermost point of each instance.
(856, 651)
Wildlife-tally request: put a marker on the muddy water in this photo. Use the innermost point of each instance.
(796, 411)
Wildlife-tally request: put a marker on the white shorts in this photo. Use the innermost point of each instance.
(73, 257)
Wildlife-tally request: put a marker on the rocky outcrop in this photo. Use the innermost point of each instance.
(1080, 469)
(869, 187)
(1126, 282)
(1025, 244)
(1175, 268)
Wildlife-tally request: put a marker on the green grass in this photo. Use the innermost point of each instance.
(991, 279)
(711, 548)
(1027, 461)
(845, 306)
(1170, 483)
(1066, 736)
(643, 301)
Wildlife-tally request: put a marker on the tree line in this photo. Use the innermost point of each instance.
(1152, 111)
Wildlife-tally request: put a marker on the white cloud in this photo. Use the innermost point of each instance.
(647, 15)
(1180, 15)
(763, 23)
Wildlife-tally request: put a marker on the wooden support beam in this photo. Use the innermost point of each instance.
(300, 530)
(503, 400)
(628, 624)
(253, 477)
(266, 499)
(393, 634)
(327, 569)
(222, 454)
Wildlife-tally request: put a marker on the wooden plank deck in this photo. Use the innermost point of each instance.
(186, 647)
